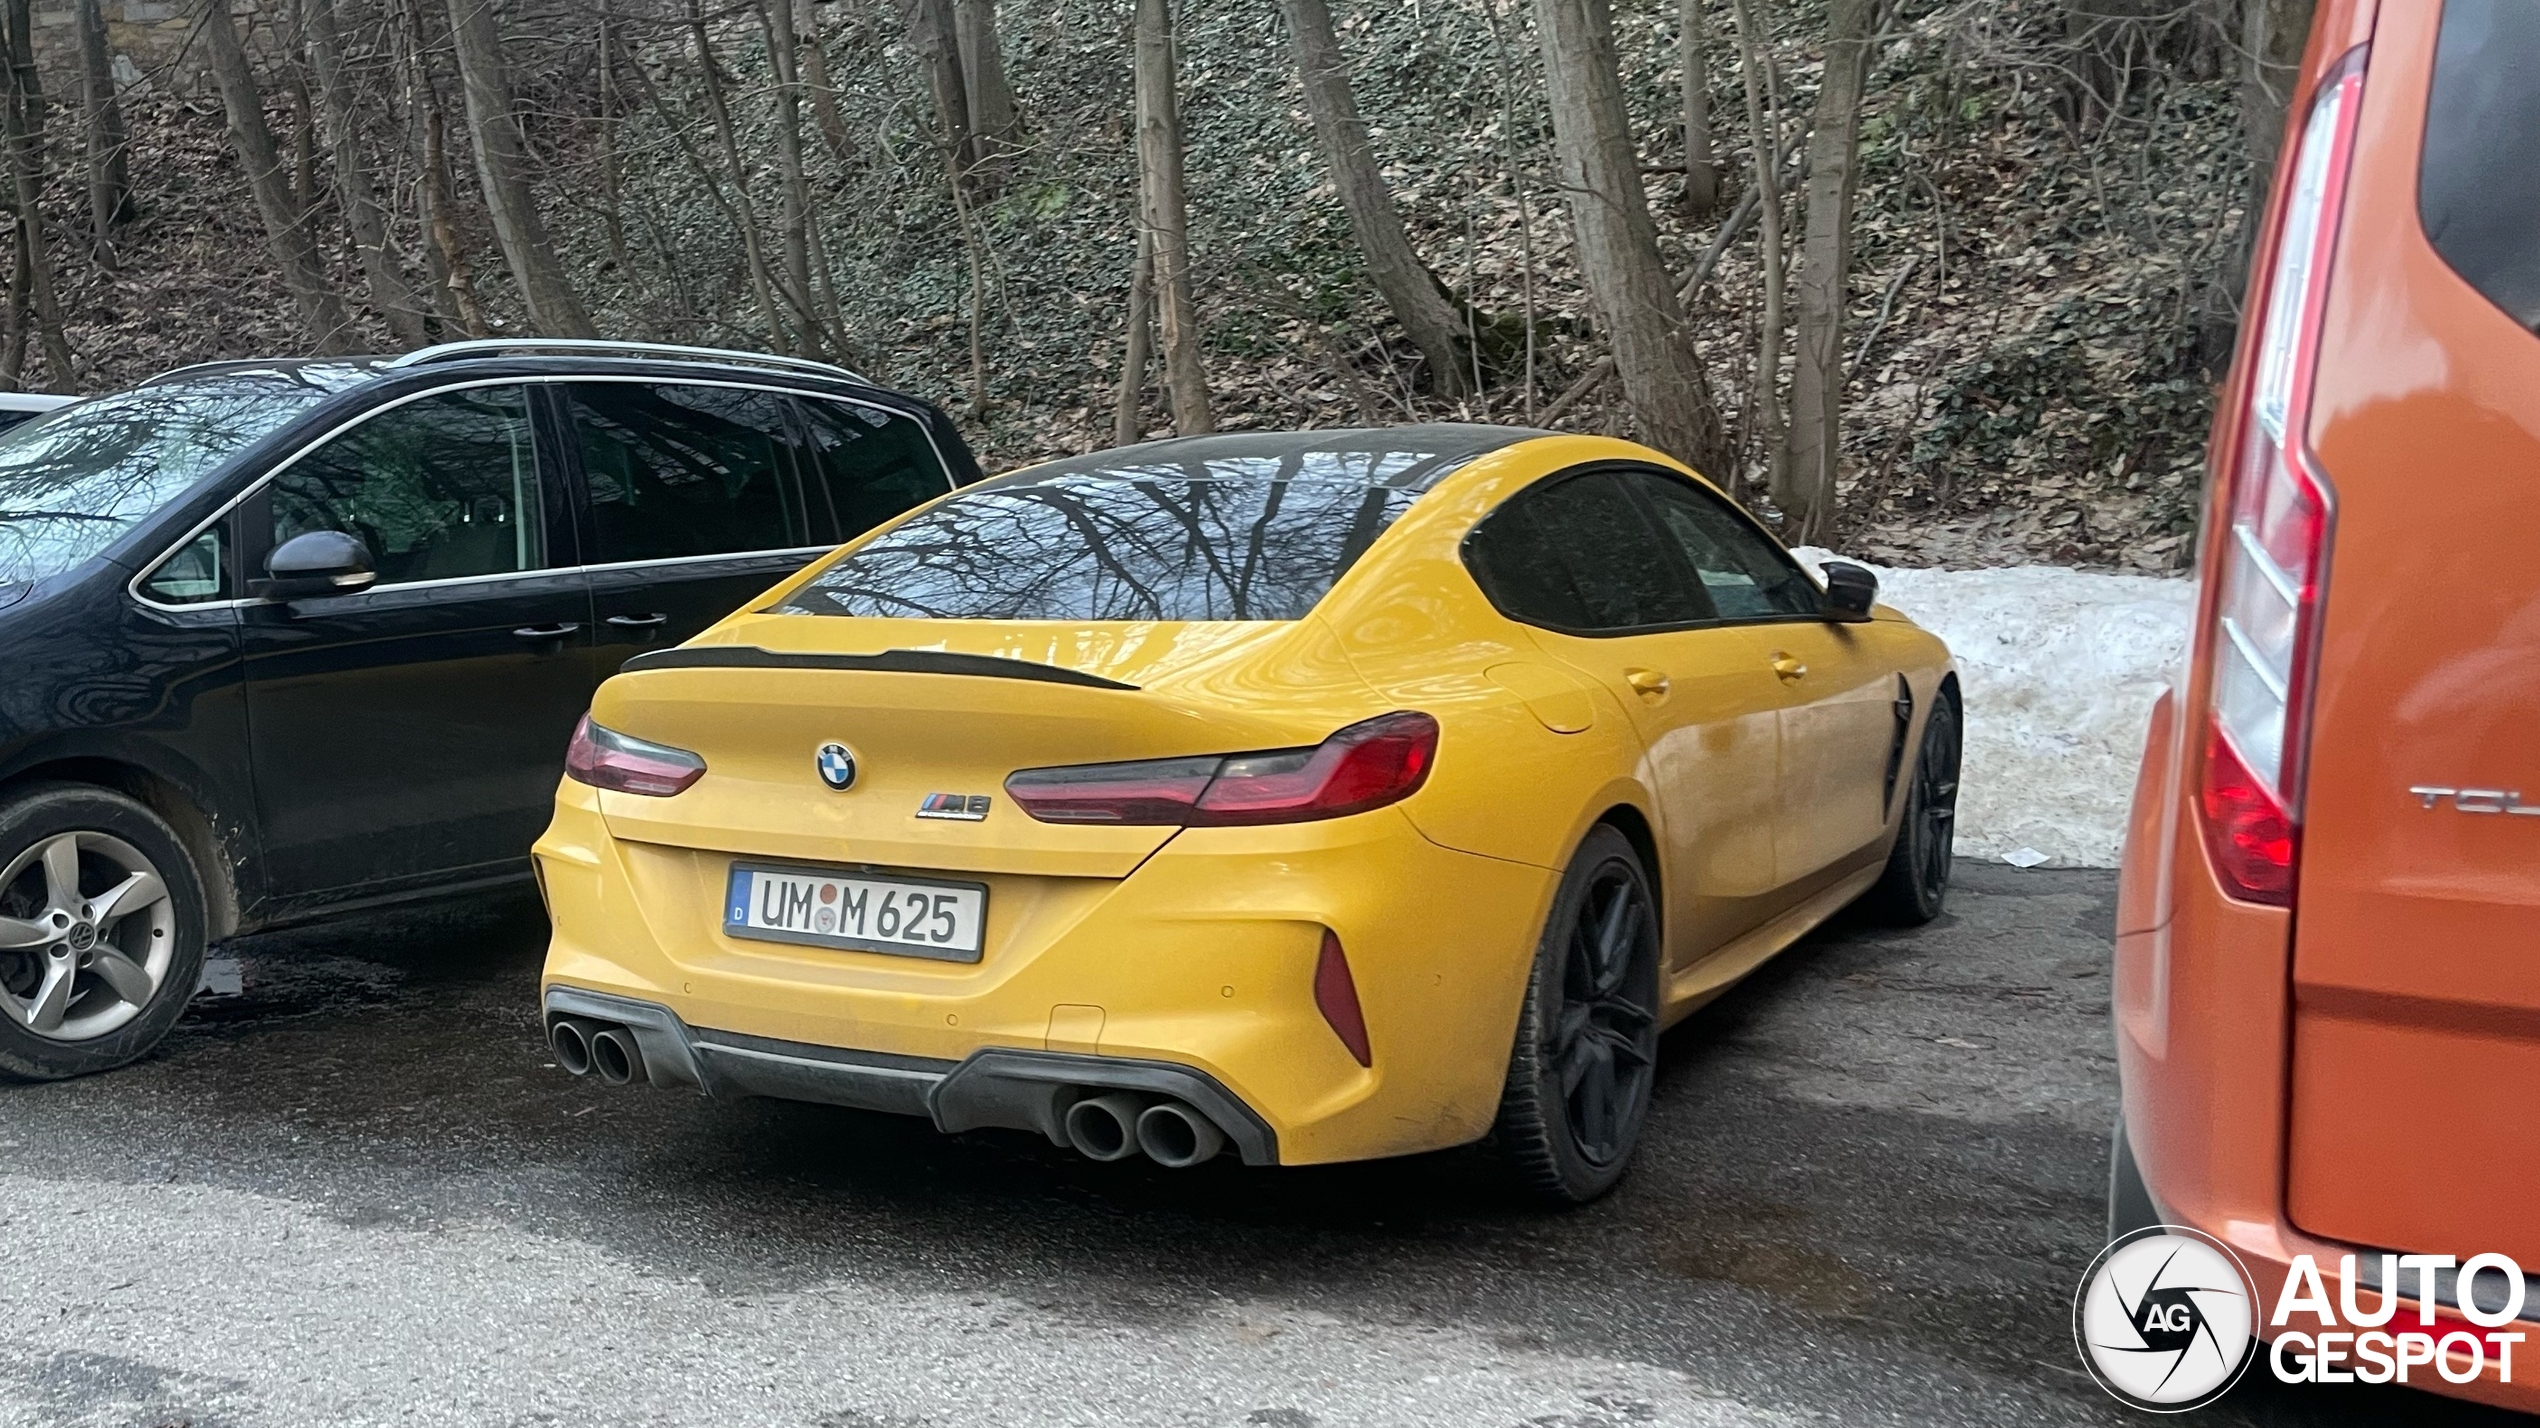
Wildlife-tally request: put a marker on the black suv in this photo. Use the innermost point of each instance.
(280, 639)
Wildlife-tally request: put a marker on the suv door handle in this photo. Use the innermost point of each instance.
(537, 634)
(639, 622)
(1649, 684)
(1788, 668)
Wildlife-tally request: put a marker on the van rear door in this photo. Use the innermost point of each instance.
(2416, 1045)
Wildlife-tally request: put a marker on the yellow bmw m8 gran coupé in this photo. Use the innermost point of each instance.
(1305, 796)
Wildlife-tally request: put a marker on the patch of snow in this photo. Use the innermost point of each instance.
(2058, 669)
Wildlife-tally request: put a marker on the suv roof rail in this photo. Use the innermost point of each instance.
(484, 346)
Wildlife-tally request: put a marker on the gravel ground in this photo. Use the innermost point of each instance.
(358, 1194)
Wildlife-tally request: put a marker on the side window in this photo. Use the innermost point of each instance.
(867, 465)
(1742, 572)
(1580, 554)
(444, 486)
(193, 574)
(685, 471)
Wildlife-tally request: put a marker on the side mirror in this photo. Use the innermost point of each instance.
(317, 563)
(1850, 591)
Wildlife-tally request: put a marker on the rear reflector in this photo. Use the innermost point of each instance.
(1336, 996)
(622, 763)
(1367, 765)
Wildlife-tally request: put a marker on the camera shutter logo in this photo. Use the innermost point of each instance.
(2166, 1319)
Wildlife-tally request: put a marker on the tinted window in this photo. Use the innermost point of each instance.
(75, 479)
(2479, 185)
(442, 487)
(1152, 545)
(194, 573)
(683, 471)
(1581, 554)
(1744, 574)
(867, 466)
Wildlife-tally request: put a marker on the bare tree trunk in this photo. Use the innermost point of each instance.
(1617, 241)
(502, 171)
(763, 279)
(993, 125)
(1432, 322)
(13, 323)
(444, 263)
(1702, 156)
(795, 214)
(824, 92)
(1807, 492)
(1763, 122)
(2272, 33)
(286, 226)
(933, 31)
(22, 130)
(612, 182)
(109, 173)
(355, 192)
(1163, 215)
(1128, 411)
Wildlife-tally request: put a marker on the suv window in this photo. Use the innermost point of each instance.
(679, 470)
(2478, 186)
(193, 574)
(1578, 553)
(865, 465)
(1746, 575)
(442, 487)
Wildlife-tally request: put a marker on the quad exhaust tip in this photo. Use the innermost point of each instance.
(615, 1056)
(570, 1038)
(1118, 1124)
(1174, 1135)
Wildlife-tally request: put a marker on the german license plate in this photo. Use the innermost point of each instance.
(863, 912)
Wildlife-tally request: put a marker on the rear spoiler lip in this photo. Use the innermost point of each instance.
(887, 662)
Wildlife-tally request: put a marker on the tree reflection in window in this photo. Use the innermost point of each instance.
(1249, 537)
(73, 481)
(443, 487)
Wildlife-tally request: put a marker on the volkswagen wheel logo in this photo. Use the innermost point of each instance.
(2165, 1319)
(836, 765)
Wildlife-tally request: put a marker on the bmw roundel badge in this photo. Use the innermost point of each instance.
(836, 765)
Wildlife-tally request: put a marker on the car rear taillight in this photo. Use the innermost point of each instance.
(1367, 765)
(2270, 574)
(622, 763)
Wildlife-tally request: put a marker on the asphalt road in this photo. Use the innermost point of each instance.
(358, 1193)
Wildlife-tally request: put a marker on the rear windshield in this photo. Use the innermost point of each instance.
(2479, 185)
(73, 480)
(1243, 539)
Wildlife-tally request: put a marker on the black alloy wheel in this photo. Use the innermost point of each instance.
(1916, 884)
(1581, 1072)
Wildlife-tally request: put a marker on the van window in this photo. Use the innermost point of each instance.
(2478, 186)
(866, 466)
(677, 471)
(442, 488)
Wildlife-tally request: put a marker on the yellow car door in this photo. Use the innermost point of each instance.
(1836, 689)
(1580, 559)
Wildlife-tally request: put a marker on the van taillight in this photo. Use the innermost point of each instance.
(2270, 574)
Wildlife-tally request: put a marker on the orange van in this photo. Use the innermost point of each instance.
(2327, 990)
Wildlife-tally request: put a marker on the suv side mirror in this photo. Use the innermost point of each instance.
(1850, 590)
(317, 563)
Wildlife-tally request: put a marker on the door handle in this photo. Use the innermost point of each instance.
(1788, 668)
(1649, 684)
(539, 634)
(639, 622)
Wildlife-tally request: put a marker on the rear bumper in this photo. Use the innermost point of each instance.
(1199, 964)
(999, 1087)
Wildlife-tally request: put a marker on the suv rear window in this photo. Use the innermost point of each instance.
(2478, 187)
(1180, 540)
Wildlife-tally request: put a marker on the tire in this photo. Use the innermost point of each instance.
(1915, 885)
(2130, 1206)
(79, 992)
(1586, 1054)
